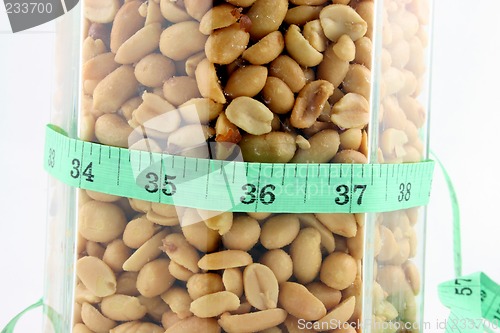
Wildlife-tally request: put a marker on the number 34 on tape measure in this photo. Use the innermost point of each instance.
(234, 185)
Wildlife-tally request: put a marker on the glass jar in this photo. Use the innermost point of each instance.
(260, 81)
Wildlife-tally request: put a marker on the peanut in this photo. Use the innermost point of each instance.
(261, 286)
(306, 255)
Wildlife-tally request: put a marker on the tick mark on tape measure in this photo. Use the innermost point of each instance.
(329, 174)
(184, 168)
(283, 177)
(100, 153)
(119, 166)
(386, 184)
(234, 171)
(208, 179)
(305, 188)
(351, 187)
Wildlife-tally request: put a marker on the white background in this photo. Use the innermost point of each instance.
(464, 134)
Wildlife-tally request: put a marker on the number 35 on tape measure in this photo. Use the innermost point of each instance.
(237, 186)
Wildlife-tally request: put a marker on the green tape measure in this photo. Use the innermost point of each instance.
(237, 186)
(474, 301)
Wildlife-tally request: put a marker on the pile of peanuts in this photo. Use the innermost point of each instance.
(284, 81)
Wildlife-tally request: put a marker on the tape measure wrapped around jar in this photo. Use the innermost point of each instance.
(240, 166)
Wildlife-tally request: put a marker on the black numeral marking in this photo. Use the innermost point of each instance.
(266, 195)
(52, 158)
(404, 192)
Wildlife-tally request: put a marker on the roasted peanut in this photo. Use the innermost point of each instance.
(309, 307)
(197, 8)
(101, 11)
(266, 16)
(300, 49)
(266, 49)
(201, 237)
(204, 284)
(243, 235)
(144, 254)
(338, 20)
(274, 147)
(280, 263)
(225, 259)
(179, 250)
(122, 308)
(332, 68)
(174, 11)
(127, 22)
(345, 48)
(357, 80)
(180, 89)
(310, 103)
(300, 15)
(218, 221)
(182, 40)
(352, 111)
(340, 314)
(219, 17)
(250, 115)
(279, 231)
(154, 69)
(232, 278)
(338, 270)
(195, 324)
(246, 81)
(208, 82)
(138, 231)
(323, 147)
(115, 89)
(181, 273)
(261, 286)
(154, 278)
(252, 322)
(112, 130)
(95, 320)
(137, 327)
(306, 255)
(101, 221)
(139, 44)
(338, 223)
(116, 254)
(179, 301)
(126, 284)
(213, 305)
(328, 296)
(225, 45)
(327, 239)
(289, 71)
(277, 95)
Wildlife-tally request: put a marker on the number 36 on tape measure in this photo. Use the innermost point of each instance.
(234, 185)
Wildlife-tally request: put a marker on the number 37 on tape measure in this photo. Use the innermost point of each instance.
(235, 185)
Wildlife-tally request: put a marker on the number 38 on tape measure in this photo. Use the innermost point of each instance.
(235, 185)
